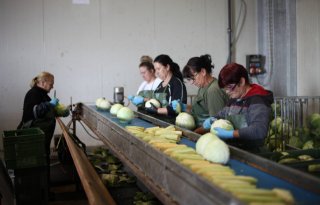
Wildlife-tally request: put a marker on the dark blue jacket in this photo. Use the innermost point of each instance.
(36, 104)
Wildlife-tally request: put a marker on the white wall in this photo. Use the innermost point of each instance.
(92, 48)
(308, 47)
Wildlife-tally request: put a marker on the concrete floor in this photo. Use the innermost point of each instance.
(65, 187)
(67, 195)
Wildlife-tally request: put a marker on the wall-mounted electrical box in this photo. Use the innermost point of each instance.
(255, 64)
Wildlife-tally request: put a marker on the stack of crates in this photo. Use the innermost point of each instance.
(289, 126)
(25, 153)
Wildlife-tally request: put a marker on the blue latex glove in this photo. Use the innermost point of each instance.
(54, 102)
(130, 97)
(208, 122)
(137, 100)
(175, 104)
(223, 133)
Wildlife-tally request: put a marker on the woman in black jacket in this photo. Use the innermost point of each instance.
(171, 90)
(38, 107)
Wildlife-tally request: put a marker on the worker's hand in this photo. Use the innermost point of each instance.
(178, 106)
(130, 97)
(54, 102)
(208, 122)
(153, 109)
(137, 100)
(223, 133)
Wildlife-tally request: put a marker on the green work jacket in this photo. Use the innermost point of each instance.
(208, 102)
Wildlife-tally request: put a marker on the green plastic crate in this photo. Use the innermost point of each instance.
(24, 148)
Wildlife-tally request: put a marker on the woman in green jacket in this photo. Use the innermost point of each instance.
(210, 98)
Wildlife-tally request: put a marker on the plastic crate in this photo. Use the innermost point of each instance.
(288, 129)
(296, 162)
(24, 148)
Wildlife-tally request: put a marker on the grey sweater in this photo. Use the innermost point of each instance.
(256, 108)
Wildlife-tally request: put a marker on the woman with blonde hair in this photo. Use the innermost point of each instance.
(38, 107)
(150, 83)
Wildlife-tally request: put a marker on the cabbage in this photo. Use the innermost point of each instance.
(304, 133)
(308, 145)
(222, 123)
(276, 108)
(286, 130)
(115, 108)
(272, 142)
(203, 141)
(125, 114)
(103, 104)
(213, 148)
(155, 102)
(98, 101)
(61, 110)
(276, 124)
(314, 121)
(185, 120)
(295, 141)
(314, 125)
(217, 151)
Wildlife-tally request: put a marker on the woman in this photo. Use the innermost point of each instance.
(171, 89)
(149, 84)
(210, 98)
(248, 109)
(38, 107)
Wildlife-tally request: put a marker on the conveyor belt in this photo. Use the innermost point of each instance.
(95, 190)
(170, 181)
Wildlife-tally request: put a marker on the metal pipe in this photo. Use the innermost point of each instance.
(97, 193)
(229, 32)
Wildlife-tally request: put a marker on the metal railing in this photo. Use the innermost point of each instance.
(290, 120)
